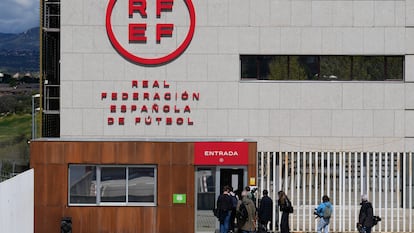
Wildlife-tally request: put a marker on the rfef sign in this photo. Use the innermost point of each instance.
(221, 153)
(137, 18)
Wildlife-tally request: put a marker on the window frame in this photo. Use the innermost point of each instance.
(259, 62)
(98, 169)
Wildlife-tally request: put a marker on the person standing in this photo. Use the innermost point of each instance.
(249, 223)
(265, 211)
(324, 212)
(286, 208)
(224, 206)
(366, 215)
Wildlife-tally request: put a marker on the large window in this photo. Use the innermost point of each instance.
(112, 185)
(322, 68)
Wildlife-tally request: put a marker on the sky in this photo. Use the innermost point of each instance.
(18, 15)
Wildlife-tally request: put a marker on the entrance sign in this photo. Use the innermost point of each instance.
(221, 153)
(137, 29)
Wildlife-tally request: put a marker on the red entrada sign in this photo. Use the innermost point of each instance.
(137, 29)
(221, 153)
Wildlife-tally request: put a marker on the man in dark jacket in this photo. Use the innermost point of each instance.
(265, 211)
(225, 206)
(366, 214)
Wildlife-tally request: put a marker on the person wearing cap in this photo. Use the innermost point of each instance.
(366, 214)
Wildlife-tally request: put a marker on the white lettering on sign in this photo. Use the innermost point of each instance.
(220, 153)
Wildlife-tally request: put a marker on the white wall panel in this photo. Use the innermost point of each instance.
(373, 96)
(248, 95)
(322, 13)
(394, 96)
(71, 66)
(93, 121)
(362, 123)
(239, 12)
(409, 123)
(342, 123)
(197, 67)
(383, 123)
(280, 12)
(17, 203)
(394, 40)
(363, 13)
(343, 13)
(321, 96)
(237, 123)
(260, 13)
(258, 122)
(71, 122)
(270, 42)
(384, 13)
(279, 123)
(311, 41)
(228, 95)
(248, 40)
(290, 40)
(228, 40)
(300, 123)
(321, 121)
(222, 68)
(353, 40)
(290, 96)
(374, 41)
(409, 38)
(332, 40)
(353, 97)
(269, 96)
(218, 12)
(301, 13)
(218, 123)
(409, 11)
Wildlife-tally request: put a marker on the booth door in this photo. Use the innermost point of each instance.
(209, 184)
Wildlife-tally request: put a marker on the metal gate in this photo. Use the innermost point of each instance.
(386, 177)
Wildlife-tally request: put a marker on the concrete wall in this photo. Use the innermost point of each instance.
(279, 115)
(17, 204)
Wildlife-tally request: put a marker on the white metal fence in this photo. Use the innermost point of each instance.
(386, 177)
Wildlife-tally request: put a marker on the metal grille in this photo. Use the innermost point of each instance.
(386, 177)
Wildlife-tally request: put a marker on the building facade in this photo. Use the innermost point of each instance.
(276, 75)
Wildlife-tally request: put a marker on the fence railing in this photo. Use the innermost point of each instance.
(386, 177)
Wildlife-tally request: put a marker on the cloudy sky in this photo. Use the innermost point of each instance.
(18, 15)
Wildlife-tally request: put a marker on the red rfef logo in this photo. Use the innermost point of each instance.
(138, 30)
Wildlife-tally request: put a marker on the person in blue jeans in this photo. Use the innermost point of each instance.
(225, 206)
(323, 212)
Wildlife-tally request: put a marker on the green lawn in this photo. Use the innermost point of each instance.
(15, 131)
(13, 126)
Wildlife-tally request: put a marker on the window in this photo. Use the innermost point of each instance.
(112, 185)
(321, 68)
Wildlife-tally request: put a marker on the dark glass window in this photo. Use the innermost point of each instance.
(112, 185)
(321, 68)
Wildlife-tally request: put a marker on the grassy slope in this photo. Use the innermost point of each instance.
(15, 130)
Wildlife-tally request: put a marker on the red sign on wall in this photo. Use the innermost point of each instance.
(138, 13)
(221, 153)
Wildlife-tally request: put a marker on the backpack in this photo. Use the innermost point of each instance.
(234, 201)
(327, 211)
(242, 215)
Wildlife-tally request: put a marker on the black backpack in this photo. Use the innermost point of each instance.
(242, 215)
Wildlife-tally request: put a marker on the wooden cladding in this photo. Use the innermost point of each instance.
(175, 174)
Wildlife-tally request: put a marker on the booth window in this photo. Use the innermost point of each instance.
(322, 68)
(112, 185)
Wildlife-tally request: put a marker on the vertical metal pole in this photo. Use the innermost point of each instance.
(33, 118)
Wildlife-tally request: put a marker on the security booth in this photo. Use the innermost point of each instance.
(134, 186)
